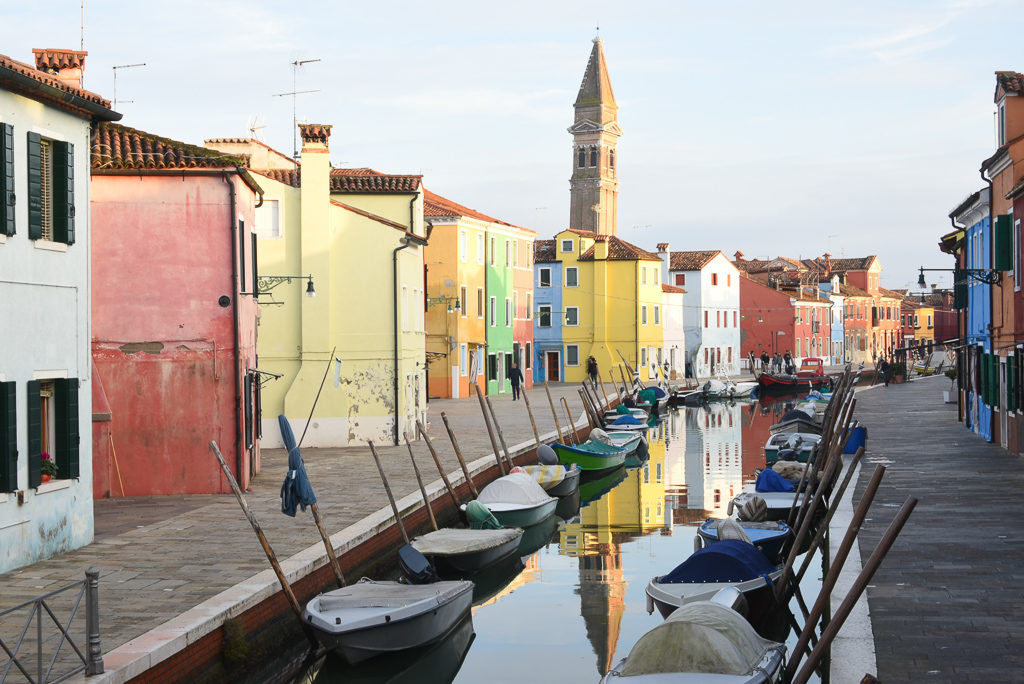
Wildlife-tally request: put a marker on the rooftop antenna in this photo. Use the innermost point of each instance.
(295, 122)
(123, 66)
(255, 125)
(82, 27)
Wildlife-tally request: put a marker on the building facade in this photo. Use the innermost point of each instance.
(548, 314)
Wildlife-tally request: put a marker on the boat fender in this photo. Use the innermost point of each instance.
(650, 604)
(698, 543)
(728, 510)
(546, 455)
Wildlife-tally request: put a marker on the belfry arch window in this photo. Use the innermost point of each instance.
(611, 159)
(581, 159)
(593, 156)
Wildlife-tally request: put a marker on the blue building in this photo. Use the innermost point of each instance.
(972, 215)
(548, 363)
(837, 320)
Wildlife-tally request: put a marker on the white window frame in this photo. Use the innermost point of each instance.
(541, 310)
(563, 242)
(463, 300)
(575, 312)
(515, 305)
(643, 314)
(508, 312)
(643, 357)
(576, 276)
(463, 359)
(529, 306)
(657, 315)
(481, 249)
(515, 253)
(493, 240)
(540, 276)
(481, 305)
(271, 208)
(643, 275)
(463, 239)
(576, 348)
(494, 312)
(508, 254)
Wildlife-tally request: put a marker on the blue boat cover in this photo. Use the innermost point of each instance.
(730, 560)
(627, 420)
(658, 392)
(296, 490)
(771, 481)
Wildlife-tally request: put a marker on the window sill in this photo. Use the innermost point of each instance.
(51, 246)
(53, 486)
(3, 238)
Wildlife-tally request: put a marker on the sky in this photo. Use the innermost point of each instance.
(782, 128)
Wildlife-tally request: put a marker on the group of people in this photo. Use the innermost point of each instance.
(777, 363)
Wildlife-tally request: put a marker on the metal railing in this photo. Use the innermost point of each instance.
(41, 612)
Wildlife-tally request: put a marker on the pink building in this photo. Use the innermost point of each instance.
(174, 322)
(780, 319)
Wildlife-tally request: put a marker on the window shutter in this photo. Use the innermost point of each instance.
(35, 435)
(35, 190)
(1003, 258)
(8, 438)
(66, 424)
(64, 192)
(959, 289)
(7, 226)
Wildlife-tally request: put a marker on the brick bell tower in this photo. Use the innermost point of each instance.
(594, 185)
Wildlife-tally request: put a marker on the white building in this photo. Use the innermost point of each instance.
(46, 359)
(674, 331)
(712, 319)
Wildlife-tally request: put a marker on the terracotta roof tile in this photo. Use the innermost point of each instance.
(892, 294)
(1010, 81)
(362, 181)
(46, 79)
(544, 251)
(691, 261)
(286, 176)
(55, 58)
(851, 291)
(619, 250)
(119, 147)
(435, 205)
(671, 288)
(584, 233)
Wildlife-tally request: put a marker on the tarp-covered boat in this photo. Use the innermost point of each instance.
(769, 537)
(516, 500)
(455, 551)
(557, 480)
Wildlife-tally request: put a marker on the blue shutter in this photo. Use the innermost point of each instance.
(35, 434)
(8, 438)
(64, 192)
(35, 187)
(66, 424)
(7, 226)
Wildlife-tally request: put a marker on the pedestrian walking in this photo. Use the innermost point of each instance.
(777, 363)
(787, 358)
(764, 361)
(592, 369)
(883, 367)
(515, 376)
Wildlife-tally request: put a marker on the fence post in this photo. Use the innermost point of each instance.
(94, 664)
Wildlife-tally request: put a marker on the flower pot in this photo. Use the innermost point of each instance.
(898, 379)
(44, 477)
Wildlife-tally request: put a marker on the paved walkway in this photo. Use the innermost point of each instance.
(947, 602)
(160, 556)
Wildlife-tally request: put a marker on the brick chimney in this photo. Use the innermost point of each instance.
(828, 263)
(738, 256)
(67, 65)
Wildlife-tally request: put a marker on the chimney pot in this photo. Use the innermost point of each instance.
(67, 65)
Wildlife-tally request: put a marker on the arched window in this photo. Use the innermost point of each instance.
(611, 159)
(593, 156)
(581, 159)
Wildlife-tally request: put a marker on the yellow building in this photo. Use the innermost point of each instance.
(357, 237)
(611, 301)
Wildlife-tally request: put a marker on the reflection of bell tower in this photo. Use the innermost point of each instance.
(602, 601)
(594, 185)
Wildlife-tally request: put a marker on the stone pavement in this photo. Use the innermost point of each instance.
(947, 602)
(160, 556)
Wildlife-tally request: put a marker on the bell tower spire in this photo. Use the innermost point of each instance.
(594, 185)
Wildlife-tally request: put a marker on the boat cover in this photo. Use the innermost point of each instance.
(729, 560)
(599, 435)
(451, 541)
(699, 637)
(547, 476)
(659, 392)
(730, 529)
(797, 414)
(771, 481)
(368, 603)
(599, 448)
(515, 488)
(627, 420)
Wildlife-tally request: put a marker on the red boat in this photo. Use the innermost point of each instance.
(810, 376)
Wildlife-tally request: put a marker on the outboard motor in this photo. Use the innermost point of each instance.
(787, 455)
(415, 566)
(546, 455)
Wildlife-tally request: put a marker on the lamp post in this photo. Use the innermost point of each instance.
(264, 284)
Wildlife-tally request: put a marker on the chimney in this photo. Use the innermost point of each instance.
(738, 256)
(828, 263)
(662, 247)
(600, 247)
(666, 262)
(67, 65)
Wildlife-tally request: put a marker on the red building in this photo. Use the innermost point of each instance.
(173, 319)
(778, 318)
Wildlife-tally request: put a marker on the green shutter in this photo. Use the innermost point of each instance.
(35, 187)
(959, 289)
(35, 434)
(1011, 382)
(64, 192)
(7, 226)
(8, 438)
(66, 424)
(1003, 258)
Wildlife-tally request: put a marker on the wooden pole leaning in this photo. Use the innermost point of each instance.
(554, 413)
(419, 481)
(607, 403)
(391, 497)
(627, 387)
(572, 425)
(437, 462)
(533, 423)
(458, 455)
(331, 556)
(285, 586)
(501, 435)
(586, 408)
(490, 430)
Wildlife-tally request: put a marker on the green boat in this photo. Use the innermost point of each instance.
(596, 488)
(592, 457)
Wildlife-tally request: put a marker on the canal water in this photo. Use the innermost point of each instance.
(574, 604)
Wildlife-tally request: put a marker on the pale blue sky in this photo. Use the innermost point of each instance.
(784, 127)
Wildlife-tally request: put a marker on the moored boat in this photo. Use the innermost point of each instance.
(516, 500)
(457, 552)
(802, 443)
(557, 480)
(592, 457)
(770, 538)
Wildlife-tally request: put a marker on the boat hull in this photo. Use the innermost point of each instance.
(776, 384)
(589, 461)
(758, 592)
(769, 539)
(524, 517)
(569, 484)
(459, 565)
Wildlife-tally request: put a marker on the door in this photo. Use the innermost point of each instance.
(551, 362)
(1002, 403)
(501, 372)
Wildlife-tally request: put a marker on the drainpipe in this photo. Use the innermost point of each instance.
(239, 438)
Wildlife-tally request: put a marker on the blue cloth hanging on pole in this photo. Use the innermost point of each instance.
(296, 490)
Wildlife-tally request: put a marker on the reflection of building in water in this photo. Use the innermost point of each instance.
(531, 572)
(714, 460)
(602, 601)
(676, 493)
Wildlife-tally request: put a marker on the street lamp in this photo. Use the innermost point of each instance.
(446, 298)
(267, 283)
(989, 276)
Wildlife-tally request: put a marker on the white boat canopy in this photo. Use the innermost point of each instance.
(514, 488)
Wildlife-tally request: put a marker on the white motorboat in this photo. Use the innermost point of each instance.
(371, 617)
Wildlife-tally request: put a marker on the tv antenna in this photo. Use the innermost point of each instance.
(295, 122)
(255, 125)
(123, 66)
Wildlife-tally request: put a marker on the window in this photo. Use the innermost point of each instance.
(508, 311)
(611, 159)
(714, 279)
(567, 245)
(581, 157)
(405, 307)
(916, 324)
(735, 318)
(593, 157)
(571, 276)
(463, 238)
(705, 319)
(53, 406)
(728, 280)
(657, 315)
(508, 253)
(1002, 123)
(492, 251)
(8, 437)
(492, 367)
(51, 190)
(480, 249)
(572, 355)
(797, 340)
(494, 311)
(718, 319)
(544, 277)
(529, 356)
(515, 304)
(529, 306)
(268, 220)
(572, 315)
(462, 301)
(479, 302)
(643, 314)
(543, 316)
(643, 357)
(7, 226)
(643, 275)
(463, 348)
(680, 279)
(929, 321)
